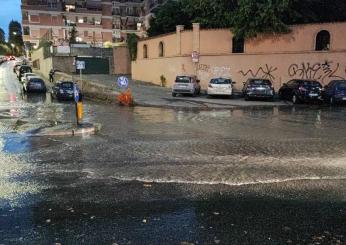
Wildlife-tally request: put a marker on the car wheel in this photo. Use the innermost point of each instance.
(295, 99)
(332, 100)
(247, 98)
(174, 94)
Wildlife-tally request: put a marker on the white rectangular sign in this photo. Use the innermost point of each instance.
(63, 49)
(80, 65)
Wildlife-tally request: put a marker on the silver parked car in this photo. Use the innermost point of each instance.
(186, 85)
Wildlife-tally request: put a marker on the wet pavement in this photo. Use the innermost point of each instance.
(148, 94)
(161, 176)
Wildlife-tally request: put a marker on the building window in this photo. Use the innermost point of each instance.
(52, 4)
(161, 49)
(26, 30)
(322, 41)
(145, 51)
(238, 45)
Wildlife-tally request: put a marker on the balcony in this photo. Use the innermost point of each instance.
(88, 11)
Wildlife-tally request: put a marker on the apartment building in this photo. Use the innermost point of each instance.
(97, 21)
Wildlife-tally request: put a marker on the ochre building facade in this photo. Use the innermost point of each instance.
(311, 51)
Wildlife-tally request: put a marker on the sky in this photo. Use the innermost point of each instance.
(9, 10)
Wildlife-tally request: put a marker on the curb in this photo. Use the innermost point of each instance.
(85, 129)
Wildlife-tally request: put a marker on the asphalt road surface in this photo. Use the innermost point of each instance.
(160, 176)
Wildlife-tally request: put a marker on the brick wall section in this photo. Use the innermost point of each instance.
(121, 60)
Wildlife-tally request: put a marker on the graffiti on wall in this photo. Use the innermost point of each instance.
(265, 72)
(207, 72)
(322, 72)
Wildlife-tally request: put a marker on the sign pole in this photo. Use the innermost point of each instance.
(76, 100)
(76, 106)
(80, 74)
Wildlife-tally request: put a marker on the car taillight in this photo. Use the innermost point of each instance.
(302, 89)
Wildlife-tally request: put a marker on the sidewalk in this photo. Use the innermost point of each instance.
(147, 94)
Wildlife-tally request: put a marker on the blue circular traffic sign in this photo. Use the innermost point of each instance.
(123, 82)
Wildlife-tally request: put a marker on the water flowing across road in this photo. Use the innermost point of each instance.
(144, 156)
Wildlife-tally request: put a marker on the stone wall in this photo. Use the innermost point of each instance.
(278, 58)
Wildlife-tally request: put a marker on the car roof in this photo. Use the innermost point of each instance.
(186, 75)
(35, 77)
(304, 80)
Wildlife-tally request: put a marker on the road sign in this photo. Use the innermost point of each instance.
(80, 64)
(75, 93)
(123, 82)
(195, 57)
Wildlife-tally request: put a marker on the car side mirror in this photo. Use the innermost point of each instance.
(234, 82)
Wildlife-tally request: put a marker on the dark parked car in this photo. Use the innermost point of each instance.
(335, 92)
(300, 90)
(63, 90)
(34, 85)
(22, 70)
(258, 88)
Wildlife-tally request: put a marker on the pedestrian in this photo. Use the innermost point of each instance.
(51, 75)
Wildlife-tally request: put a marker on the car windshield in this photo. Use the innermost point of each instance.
(37, 81)
(25, 69)
(311, 84)
(260, 82)
(183, 80)
(67, 85)
(220, 81)
(341, 85)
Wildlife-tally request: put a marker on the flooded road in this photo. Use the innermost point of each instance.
(161, 176)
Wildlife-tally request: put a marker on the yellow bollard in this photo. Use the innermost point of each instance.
(80, 111)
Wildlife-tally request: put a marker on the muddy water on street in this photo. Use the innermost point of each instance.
(232, 147)
(242, 176)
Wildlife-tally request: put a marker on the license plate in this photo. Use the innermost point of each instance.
(313, 95)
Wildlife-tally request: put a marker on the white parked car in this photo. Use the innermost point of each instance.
(220, 86)
(26, 76)
(186, 85)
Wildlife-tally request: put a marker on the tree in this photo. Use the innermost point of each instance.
(73, 35)
(168, 17)
(15, 37)
(209, 13)
(2, 36)
(246, 18)
(5, 49)
(252, 17)
(132, 40)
